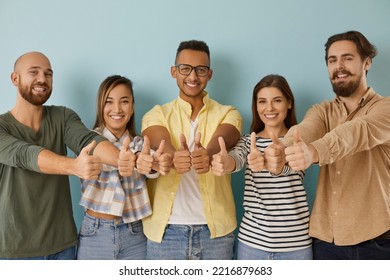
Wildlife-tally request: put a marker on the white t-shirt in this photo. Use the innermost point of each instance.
(188, 207)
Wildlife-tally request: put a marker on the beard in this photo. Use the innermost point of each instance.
(346, 89)
(30, 97)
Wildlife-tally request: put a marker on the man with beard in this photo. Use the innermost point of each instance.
(36, 219)
(349, 138)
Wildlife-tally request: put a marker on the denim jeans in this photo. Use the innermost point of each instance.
(245, 252)
(101, 239)
(190, 242)
(376, 249)
(67, 254)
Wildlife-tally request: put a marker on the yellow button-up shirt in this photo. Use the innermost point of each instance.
(352, 201)
(216, 191)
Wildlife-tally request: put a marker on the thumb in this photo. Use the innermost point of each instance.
(146, 146)
(160, 149)
(222, 145)
(297, 136)
(275, 139)
(126, 143)
(253, 142)
(87, 149)
(183, 142)
(197, 140)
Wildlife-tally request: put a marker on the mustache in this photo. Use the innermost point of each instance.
(336, 73)
(40, 84)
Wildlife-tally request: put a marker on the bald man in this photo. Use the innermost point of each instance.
(36, 219)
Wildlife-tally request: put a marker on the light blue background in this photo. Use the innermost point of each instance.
(89, 40)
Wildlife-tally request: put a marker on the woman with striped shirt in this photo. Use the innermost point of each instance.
(276, 214)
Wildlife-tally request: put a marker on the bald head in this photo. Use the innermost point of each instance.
(31, 59)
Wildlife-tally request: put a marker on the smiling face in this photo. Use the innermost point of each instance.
(191, 86)
(33, 77)
(345, 68)
(272, 107)
(118, 109)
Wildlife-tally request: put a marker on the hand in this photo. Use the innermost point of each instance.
(274, 155)
(255, 158)
(126, 161)
(162, 160)
(200, 158)
(182, 157)
(144, 159)
(300, 155)
(88, 166)
(219, 163)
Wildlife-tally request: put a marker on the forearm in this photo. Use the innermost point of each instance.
(51, 163)
(156, 134)
(107, 153)
(230, 135)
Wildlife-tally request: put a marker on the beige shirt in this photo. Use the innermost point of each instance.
(352, 201)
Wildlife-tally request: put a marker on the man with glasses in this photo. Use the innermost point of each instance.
(194, 213)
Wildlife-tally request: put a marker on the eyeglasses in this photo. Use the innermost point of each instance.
(186, 69)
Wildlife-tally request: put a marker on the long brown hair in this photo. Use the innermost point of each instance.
(104, 90)
(280, 83)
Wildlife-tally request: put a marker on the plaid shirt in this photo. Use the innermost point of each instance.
(116, 195)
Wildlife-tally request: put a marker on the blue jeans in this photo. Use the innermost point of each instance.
(190, 242)
(67, 254)
(245, 252)
(376, 249)
(101, 239)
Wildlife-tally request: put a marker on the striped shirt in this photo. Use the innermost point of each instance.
(276, 212)
(116, 195)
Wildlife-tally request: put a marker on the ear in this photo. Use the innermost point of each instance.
(210, 74)
(173, 71)
(15, 78)
(289, 105)
(367, 64)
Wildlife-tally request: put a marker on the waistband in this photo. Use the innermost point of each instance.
(103, 216)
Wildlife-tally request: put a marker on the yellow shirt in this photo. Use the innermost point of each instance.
(216, 192)
(352, 201)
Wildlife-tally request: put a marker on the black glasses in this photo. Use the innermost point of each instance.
(186, 69)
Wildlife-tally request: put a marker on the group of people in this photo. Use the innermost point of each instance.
(167, 194)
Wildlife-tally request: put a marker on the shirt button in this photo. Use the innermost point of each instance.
(338, 172)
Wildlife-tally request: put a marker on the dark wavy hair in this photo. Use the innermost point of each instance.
(104, 90)
(280, 83)
(364, 47)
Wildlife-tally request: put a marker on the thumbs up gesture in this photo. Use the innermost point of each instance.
(126, 161)
(144, 159)
(162, 159)
(222, 163)
(274, 155)
(200, 156)
(88, 166)
(255, 158)
(182, 157)
(300, 155)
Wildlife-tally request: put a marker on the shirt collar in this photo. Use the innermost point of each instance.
(186, 106)
(365, 98)
(112, 138)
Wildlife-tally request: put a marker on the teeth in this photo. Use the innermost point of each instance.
(116, 117)
(270, 116)
(39, 88)
(191, 84)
